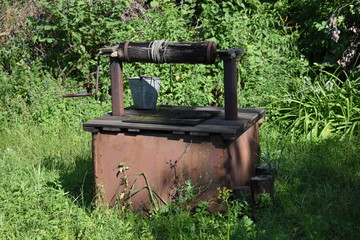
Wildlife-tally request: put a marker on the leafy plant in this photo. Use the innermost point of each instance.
(128, 191)
(321, 24)
(77, 30)
(322, 108)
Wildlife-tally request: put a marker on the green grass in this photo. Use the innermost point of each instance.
(46, 193)
(46, 187)
(317, 188)
(322, 106)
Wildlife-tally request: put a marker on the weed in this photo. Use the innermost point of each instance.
(127, 191)
(322, 108)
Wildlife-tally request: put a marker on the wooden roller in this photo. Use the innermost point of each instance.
(164, 52)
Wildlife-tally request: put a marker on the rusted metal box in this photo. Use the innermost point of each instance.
(213, 153)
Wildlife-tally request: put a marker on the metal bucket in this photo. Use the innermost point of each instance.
(144, 91)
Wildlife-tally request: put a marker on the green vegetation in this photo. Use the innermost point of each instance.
(290, 67)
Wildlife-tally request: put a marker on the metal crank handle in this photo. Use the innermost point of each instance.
(96, 85)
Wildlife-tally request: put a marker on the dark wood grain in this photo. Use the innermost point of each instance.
(174, 52)
(229, 129)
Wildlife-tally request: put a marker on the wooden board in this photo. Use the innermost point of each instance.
(229, 129)
(170, 116)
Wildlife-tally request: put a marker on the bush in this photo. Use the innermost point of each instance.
(32, 94)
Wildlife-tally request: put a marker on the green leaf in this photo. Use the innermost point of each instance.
(154, 4)
(49, 27)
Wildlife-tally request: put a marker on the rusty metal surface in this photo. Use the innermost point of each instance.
(167, 163)
(117, 92)
(243, 155)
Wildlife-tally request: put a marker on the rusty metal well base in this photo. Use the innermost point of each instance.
(168, 162)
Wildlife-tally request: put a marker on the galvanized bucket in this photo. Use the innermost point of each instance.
(144, 91)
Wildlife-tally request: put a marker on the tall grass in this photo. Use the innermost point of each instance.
(46, 187)
(46, 193)
(321, 107)
(317, 187)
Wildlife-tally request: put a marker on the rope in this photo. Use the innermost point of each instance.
(157, 50)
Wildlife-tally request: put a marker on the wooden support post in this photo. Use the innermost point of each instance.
(230, 89)
(242, 193)
(266, 169)
(229, 57)
(262, 187)
(117, 91)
